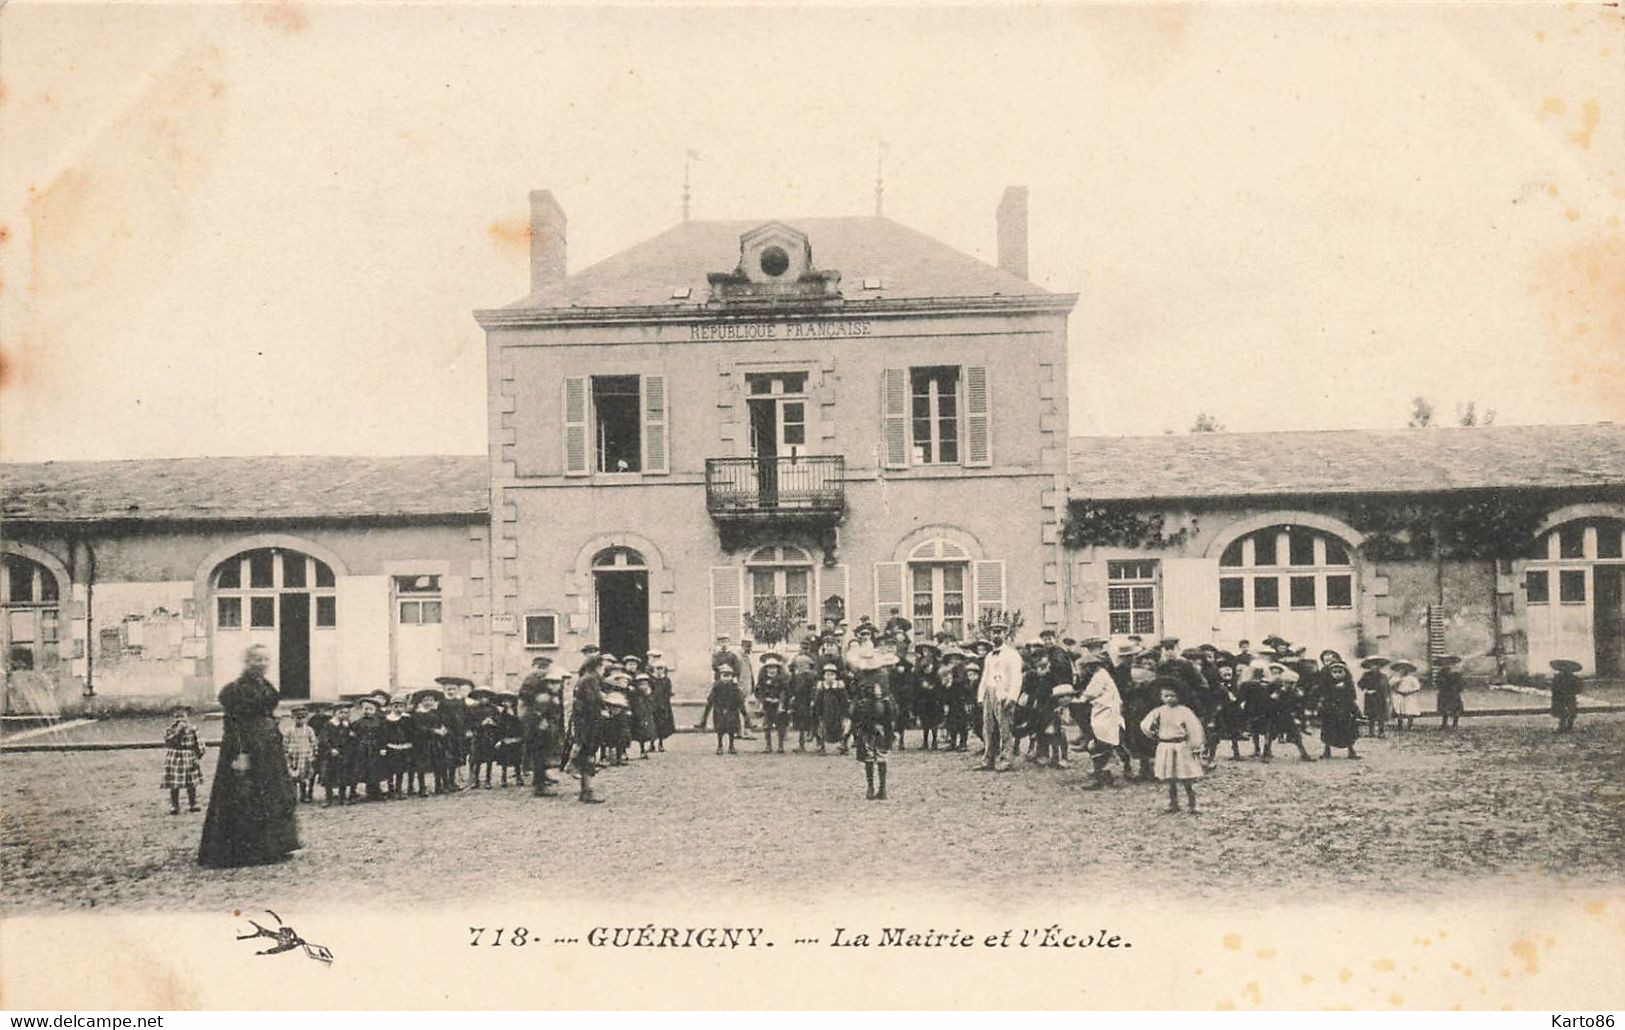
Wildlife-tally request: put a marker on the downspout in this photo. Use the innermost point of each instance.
(90, 617)
(1495, 620)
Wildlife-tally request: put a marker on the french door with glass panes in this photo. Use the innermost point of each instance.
(791, 583)
(778, 425)
(938, 591)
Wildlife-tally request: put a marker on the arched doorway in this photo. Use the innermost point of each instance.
(281, 598)
(1573, 605)
(620, 579)
(31, 605)
(1294, 581)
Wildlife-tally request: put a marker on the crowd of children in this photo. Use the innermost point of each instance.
(1160, 712)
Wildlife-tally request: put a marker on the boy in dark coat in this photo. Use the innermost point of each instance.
(399, 741)
(874, 722)
(660, 693)
(509, 735)
(725, 704)
(369, 752)
(429, 750)
(337, 742)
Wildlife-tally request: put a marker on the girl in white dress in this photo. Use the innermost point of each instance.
(1407, 695)
(1178, 733)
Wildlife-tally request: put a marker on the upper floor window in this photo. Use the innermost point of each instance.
(936, 415)
(615, 424)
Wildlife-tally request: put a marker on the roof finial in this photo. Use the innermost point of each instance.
(880, 179)
(688, 160)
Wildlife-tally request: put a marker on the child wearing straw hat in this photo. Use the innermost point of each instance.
(1406, 693)
(1565, 693)
(1374, 694)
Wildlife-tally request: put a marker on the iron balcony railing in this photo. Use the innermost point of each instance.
(761, 486)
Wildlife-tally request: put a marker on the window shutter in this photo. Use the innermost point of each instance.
(888, 586)
(727, 595)
(978, 427)
(575, 426)
(656, 423)
(894, 417)
(832, 583)
(989, 587)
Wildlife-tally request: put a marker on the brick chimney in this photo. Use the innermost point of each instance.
(547, 240)
(1012, 220)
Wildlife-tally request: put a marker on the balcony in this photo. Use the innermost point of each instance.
(805, 488)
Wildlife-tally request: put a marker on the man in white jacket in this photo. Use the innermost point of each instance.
(1001, 686)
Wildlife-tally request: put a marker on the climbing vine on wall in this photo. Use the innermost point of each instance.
(1492, 525)
(1097, 524)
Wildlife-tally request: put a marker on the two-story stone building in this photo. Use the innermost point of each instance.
(839, 411)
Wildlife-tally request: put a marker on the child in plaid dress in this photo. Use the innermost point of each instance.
(299, 742)
(183, 767)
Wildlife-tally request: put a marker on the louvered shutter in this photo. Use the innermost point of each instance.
(576, 462)
(832, 583)
(989, 587)
(727, 594)
(656, 426)
(888, 587)
(978, 420)
(894, 417)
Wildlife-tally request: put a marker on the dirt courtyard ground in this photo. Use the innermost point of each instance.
(1500, 801)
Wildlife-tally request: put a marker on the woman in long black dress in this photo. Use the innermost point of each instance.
(1339, 710)
(251, 805)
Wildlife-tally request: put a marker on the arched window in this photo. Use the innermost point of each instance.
(784, 572)
(619, 558)
(1293, 581)
(246, 587)
(938, 579)
(30, 599)
(1572, 588)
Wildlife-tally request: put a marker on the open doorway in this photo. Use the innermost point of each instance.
(1608, 628)
(293, 646)
(623, 612)
(621, 592)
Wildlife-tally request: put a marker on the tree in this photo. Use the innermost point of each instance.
(1207, 423)
(1467, 415)
(773, 620)
(1421, 413)
(1012, 619)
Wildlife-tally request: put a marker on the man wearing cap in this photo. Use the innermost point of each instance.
(1001, 686)
(586, 721)
(540, 716)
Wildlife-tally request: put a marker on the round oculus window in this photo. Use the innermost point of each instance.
(774, 261)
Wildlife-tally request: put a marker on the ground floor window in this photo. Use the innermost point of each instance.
(938, 597)
(1131, 597)
(30, 599)
(1581, 563)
